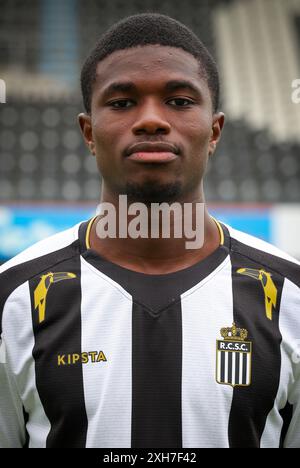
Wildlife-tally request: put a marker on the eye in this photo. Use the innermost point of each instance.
(120, 104)
(181, 102)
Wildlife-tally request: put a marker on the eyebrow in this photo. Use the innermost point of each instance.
(173, 85)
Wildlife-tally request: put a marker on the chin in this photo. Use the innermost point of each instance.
(153, 192)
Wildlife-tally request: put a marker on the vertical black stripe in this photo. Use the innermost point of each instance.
(26, 418)
(244, 378)
(156, 378)
(237, 368)
(222, 366)
(286, 413)
(252, 404)
(229, 367)
(60, 387)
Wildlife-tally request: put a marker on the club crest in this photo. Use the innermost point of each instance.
(234, 356)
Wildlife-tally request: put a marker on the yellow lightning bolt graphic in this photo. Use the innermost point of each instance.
(41, 291)
(268, 285)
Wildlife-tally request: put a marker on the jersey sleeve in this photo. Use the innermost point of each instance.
(12, 424)
(292, 439)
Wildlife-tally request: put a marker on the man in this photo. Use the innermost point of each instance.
(140, 342)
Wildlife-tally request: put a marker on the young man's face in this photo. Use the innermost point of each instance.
(151, 108)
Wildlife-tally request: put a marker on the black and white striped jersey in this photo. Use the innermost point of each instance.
(96, 355)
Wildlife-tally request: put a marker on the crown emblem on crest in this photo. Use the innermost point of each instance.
(233, 333)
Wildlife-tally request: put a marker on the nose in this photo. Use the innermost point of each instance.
(151, 120)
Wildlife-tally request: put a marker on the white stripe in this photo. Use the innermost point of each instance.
(106, 326)
(205, 403)
(248, 368)
(241, 369)
(289, 383)
(2, 352)
(233, 368)
(219, 366)
(19, 340)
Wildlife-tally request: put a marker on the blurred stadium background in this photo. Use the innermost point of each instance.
(48, 181)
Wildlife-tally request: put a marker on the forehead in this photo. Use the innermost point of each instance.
(147, 62)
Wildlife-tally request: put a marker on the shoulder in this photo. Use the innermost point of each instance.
(264, 254)
(42, 248)
(37, 258)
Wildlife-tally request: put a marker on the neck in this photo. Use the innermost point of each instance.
(159, 253)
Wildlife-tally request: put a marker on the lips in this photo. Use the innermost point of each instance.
(148, 147)
(161, 152)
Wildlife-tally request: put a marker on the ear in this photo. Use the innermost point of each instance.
(217, 126)
(85, 123)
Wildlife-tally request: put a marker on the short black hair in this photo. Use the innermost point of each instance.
(144, 29)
